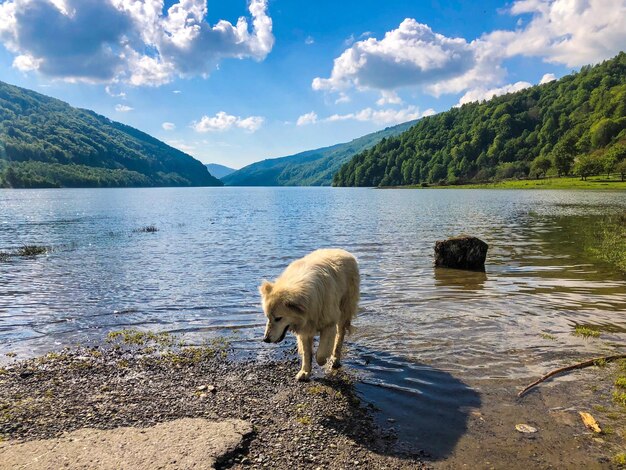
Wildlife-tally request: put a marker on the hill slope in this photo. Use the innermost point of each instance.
(576, 124)
(45, 142)
(310, 168)
(219, 171)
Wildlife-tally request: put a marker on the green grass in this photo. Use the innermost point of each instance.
(548, 336)
(585, 332)
(620, 382)
(620, 459)
(597, 182)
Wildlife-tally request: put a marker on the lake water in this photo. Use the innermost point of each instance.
(420, 330)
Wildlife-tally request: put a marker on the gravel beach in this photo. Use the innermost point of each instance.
(142, 380)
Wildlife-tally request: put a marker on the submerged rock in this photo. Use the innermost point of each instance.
(462, 252)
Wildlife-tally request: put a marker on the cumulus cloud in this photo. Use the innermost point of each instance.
(412, 54)
(378, 116)
(309, 40)
(309, 118)
(122, 108)
(568, 32)
(133, 41)
(222, 122)
(383, 116)
(168, 126)
(480, 94)
(547, 78)
(388, 97)
(112, 92)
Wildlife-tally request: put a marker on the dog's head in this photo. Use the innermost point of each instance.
(284, 312)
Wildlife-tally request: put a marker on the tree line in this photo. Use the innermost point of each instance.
(575, 125)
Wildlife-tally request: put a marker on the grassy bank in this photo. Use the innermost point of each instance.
(597, 182)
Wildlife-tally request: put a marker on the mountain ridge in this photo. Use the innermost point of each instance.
(309, 168)
(45, 142)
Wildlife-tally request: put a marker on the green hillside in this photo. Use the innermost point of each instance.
(576, 125)
(45, 142)
(310, 168)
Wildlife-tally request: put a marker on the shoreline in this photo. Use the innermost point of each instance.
(144, 381)
(552, 183)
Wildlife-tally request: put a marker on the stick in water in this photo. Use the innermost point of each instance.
(580, 365)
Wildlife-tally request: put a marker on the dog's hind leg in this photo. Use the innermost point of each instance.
(335, 360)
(325, 347)
(305, 347)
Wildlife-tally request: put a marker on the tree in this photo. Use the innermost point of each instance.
(540, 166)
(621, 169)
(562, 159)
(588, 165)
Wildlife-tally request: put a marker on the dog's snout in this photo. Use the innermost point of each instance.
(266, 339)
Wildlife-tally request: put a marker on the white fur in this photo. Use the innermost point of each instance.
(317, 294)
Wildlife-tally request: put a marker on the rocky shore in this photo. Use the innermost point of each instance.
(141, 380)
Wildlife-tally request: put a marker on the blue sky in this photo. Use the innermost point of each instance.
(296, 75)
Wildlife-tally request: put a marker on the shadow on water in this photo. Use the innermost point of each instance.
(460, 279)
(427, 409)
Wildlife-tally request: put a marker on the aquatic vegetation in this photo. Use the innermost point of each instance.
(32, 250)
(548, 336)
(585, 332)
(619, 459)
(619, 398)
(147, 229)
(140, 338)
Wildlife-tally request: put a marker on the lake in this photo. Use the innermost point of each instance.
(420, 331)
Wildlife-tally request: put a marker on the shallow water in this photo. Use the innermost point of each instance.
(199, 273)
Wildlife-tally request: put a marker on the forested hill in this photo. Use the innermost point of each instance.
(574, 125)
(310, 168)
(45, 142)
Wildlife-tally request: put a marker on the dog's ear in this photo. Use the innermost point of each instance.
(295, 305)
(265, 288)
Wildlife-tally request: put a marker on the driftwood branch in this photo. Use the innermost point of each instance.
(580, 365)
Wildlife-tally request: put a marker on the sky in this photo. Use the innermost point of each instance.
(236, 81)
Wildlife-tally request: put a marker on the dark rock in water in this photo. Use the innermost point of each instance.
(462, 252)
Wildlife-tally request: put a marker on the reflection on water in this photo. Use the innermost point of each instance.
(199, 273)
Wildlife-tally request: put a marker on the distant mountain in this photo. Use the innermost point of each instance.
(45, 142)
(573, 125)
(219, 171)
(310, 168)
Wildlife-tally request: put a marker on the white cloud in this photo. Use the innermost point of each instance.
(132, 41)
(177, 92)
(480, 94)
(26, 63)
(411, 55)
(222, 122)
(388, 97)
(181, 145)
(168, 126)
(568, 32)
(383, 116)
(309, 118)
(122, 108)
(115, 94)
(309, 40)
(343, 98)
(547, 78)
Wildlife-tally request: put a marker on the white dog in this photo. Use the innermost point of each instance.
(315, 294)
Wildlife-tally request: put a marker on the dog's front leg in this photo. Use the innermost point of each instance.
(305, 347)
